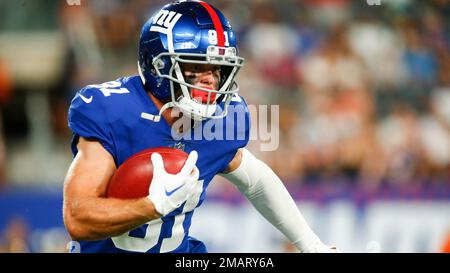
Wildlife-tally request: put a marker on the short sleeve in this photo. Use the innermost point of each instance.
(239, 113)
(87, 118)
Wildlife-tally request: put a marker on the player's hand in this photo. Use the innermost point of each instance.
(170, 191)
(319, 247)
(322, 248)
(330, 249)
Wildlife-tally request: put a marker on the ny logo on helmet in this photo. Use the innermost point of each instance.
(165, 20)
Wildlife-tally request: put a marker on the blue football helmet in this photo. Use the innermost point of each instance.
(188, 32)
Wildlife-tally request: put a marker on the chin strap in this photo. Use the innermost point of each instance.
(157, 118)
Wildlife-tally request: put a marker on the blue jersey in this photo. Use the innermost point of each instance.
(111, 113)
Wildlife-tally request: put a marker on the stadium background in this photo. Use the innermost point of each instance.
(364, 95)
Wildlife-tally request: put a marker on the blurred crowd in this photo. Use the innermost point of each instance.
(364, 90)
(19, 237)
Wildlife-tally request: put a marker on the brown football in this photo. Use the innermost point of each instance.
(133, 177)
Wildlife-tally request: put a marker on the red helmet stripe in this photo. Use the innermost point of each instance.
(216, 22)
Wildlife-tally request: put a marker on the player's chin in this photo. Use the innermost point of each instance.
(203, 97)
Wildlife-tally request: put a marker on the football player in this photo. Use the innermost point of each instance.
(188, 59)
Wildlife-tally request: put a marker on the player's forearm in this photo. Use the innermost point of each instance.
(94, 218)
(269, 196)
(277, 206)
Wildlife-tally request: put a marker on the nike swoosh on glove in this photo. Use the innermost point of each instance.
(169, 191)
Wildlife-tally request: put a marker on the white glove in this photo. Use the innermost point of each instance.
(320, 248)
(170, 191)
(327, 249)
